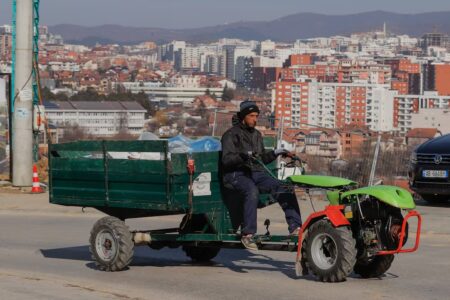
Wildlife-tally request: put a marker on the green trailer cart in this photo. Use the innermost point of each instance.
(104, 175)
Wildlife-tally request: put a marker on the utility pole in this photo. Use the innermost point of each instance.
(280, 145)
(214, 125)
(280, 134)
(421, 78)
(22, 139)
(374, 162)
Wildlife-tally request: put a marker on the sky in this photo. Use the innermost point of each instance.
(178, 14)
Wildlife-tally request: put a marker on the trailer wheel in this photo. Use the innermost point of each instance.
(330, 252)
(201, 254)
(111, 244)
(375, 266)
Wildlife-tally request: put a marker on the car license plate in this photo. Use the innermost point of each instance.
(435, 173)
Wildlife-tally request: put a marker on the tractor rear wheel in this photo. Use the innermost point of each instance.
(198, 224)
(111, 244)
(374, 267)
(201, 254)
(330, 251)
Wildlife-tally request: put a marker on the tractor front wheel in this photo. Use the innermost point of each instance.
(111, 244)
(330, 251)
(374, 267)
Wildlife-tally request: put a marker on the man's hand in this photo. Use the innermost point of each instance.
(246, 155)
(283, 152)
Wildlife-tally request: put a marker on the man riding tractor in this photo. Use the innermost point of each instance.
(242, 145)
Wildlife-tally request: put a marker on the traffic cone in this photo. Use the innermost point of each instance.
(36, 186)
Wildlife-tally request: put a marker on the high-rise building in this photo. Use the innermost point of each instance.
(239, 69)
(305, 102)
(167, 52)
(405, 75)
(435, 39)
(264, 76)
(405, 106)
(299, 60)
(248, 72)
(6, 29)
(187, 59)
(428, 74)
(436, 78)
(228, 54)
(190, 58)
(5, 45)
(243, 60)
(266, 48)
(240, 56)
(178, 59)
(163, 52)
(222, 65)
(432, 118)
(210, 63)
(442, 79)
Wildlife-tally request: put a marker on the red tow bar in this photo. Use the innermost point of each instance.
(399, 249)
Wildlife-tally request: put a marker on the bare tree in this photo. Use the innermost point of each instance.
(74, 132)
(122, 126)
(317, 164)
(203, 128)
(124, 136)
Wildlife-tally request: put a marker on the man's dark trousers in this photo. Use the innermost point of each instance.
(250, 185)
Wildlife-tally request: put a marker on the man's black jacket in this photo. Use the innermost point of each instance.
(237, 142)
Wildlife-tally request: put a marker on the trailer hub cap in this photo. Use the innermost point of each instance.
(324, 251)
(105, 245)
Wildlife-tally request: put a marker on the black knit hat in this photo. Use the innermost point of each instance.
(247, 107)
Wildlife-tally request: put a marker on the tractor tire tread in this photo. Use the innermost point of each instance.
(125, 244)
(375, 268)
(347, 258)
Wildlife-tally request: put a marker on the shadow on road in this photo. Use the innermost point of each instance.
(241, 261)
(72, 253)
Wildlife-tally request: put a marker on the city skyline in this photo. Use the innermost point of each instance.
(200, 13)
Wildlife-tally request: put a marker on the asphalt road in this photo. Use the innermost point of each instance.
(44, 255)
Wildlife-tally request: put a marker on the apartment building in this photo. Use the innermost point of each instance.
(405, 75)
(241, 60)
(308, 103)
(169, 93)
(435, 39)
(442, 79)
(319, 142)
(104, 118)
(266, 48)
(5, 45)
(405, 106)
(432, 118)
